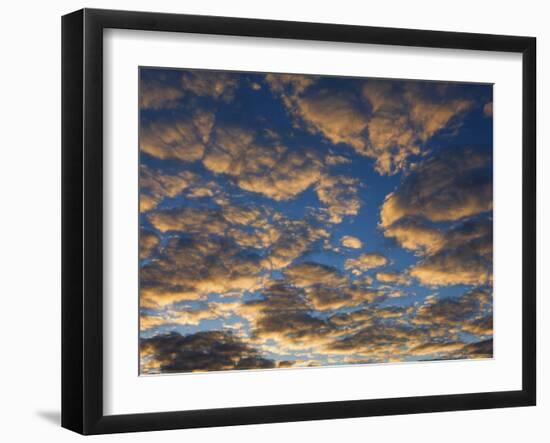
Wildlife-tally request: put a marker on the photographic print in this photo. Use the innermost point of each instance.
(292, 221)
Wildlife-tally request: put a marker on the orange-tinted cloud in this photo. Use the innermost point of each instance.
(217, 85)
(387, 121)
(157, 95)
(351, 242)
(488, 109)
(155, 185)
(365, 262)
(148, 242)
(191, 269)
(339, 196)
(393, 277)
(273, 170)
(183, 139)
(466, 257)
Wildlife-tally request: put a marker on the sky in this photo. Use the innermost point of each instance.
(293, 220)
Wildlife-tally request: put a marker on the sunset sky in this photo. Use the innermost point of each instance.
(293, 220)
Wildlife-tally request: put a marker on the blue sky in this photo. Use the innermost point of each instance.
(292, 220)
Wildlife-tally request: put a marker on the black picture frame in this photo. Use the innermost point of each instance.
(82, 219)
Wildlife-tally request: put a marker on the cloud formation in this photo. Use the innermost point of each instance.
(465, 256)
(389, 121)
(365, 262)
(339, 195)
(271, 170)
(183, 139)
(258, 197)
(393, 277)
(350, 241)
(148, 242)
(448, 186)
(158, 95)
(155, 185)
(217, 85)
(190, 269)
(203, 351)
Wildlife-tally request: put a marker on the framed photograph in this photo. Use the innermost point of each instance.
(270, 221)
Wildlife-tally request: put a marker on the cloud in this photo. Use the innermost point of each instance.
(393, 277)
(281, 240)
(217, 85)
(158, 95)
(285, 364)
(291, 84)
(379, 341)
(481, 349)
(447, 186)
(392, 333)
(454, 268)
(488, 109)
(190, 269)
(150, 321)
(351, 242)
(480, 326)
(437, 348)
(225, 258)
(185, 316)
(414, 234)
(293, 238)
(471, 312)
(155, 185)
(183, 139)
(148, 242)
(323, 298)
(339, 195)
(285, 317)
(205, 219)
(189, 219)
(365, 262)
(202, 351)
(326, 288)
(292, 175)
(430, 115)
(389, 121)
(271, 170)
(232, 249)
(309, 273)
(465, 257)
(441, 212)
(337, 115)
(334, 160)
(404, 116)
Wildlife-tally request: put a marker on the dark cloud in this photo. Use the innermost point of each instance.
(464, 255)
(471, 312)
(379, 341)
(441, 212)
(148, 242)
(448, 186)
(481, 349)
(202, 351)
